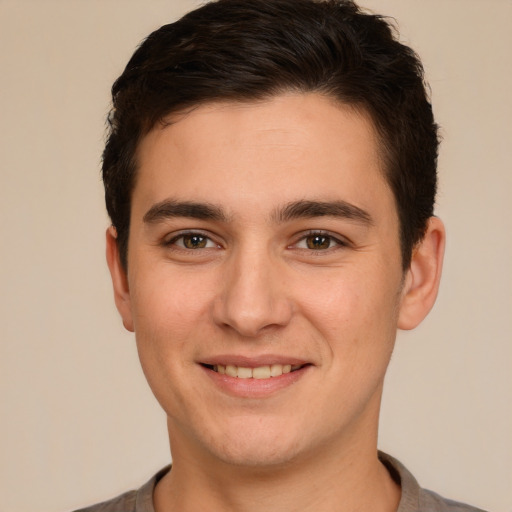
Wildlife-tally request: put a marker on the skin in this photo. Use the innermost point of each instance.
(261, 282)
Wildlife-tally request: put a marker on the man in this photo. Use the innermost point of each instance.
(270, 175)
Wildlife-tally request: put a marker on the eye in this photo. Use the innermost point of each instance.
(192, 241)
(318, 241)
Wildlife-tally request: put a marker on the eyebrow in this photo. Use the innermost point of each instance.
(169, 209)
(310, 209)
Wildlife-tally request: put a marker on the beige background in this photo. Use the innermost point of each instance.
(78, 423)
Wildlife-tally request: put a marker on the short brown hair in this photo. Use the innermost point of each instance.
(243, 50)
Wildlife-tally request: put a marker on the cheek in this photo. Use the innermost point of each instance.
(170, 315)
(343, 299)
(169, 304)
(356, 313)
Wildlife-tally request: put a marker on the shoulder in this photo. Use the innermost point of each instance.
(140, 500)
(416, 499)
(431, 501)
(123, 503)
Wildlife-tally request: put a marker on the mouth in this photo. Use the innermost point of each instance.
(254, 377)
(259, 372)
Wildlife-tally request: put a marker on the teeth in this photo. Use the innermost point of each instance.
(244, 373)
(261, 372)
(232, 371)
(276, 370)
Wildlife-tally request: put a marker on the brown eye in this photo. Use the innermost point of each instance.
(318, 242)
(194, 241)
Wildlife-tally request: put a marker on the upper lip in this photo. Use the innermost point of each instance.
(252, 361)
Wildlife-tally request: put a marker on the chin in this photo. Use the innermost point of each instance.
(257, 445)
(257, 456)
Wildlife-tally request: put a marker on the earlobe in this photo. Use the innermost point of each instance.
(119, 279)
(422, 279)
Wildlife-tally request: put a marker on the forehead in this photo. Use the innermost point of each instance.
(287, 148)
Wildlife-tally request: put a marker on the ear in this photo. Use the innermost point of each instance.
(119, 279)
(422, 279)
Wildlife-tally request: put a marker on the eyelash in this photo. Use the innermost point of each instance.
(329, 238)
(336, 240)
(172, 242)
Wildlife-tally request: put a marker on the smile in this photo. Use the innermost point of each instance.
(260, 372)
(254, 377)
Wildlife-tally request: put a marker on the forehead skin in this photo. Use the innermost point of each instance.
(271, 132)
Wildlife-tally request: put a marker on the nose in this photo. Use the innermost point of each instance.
(253, 298)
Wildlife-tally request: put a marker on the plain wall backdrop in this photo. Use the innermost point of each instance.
(78, 423)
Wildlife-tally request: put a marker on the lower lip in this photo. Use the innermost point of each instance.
(255, 388)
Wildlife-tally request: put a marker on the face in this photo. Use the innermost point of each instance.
(264, 278)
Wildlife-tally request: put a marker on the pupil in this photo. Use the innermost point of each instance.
(194, 242)
(318, 242)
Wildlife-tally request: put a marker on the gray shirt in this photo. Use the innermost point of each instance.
(414, 498)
